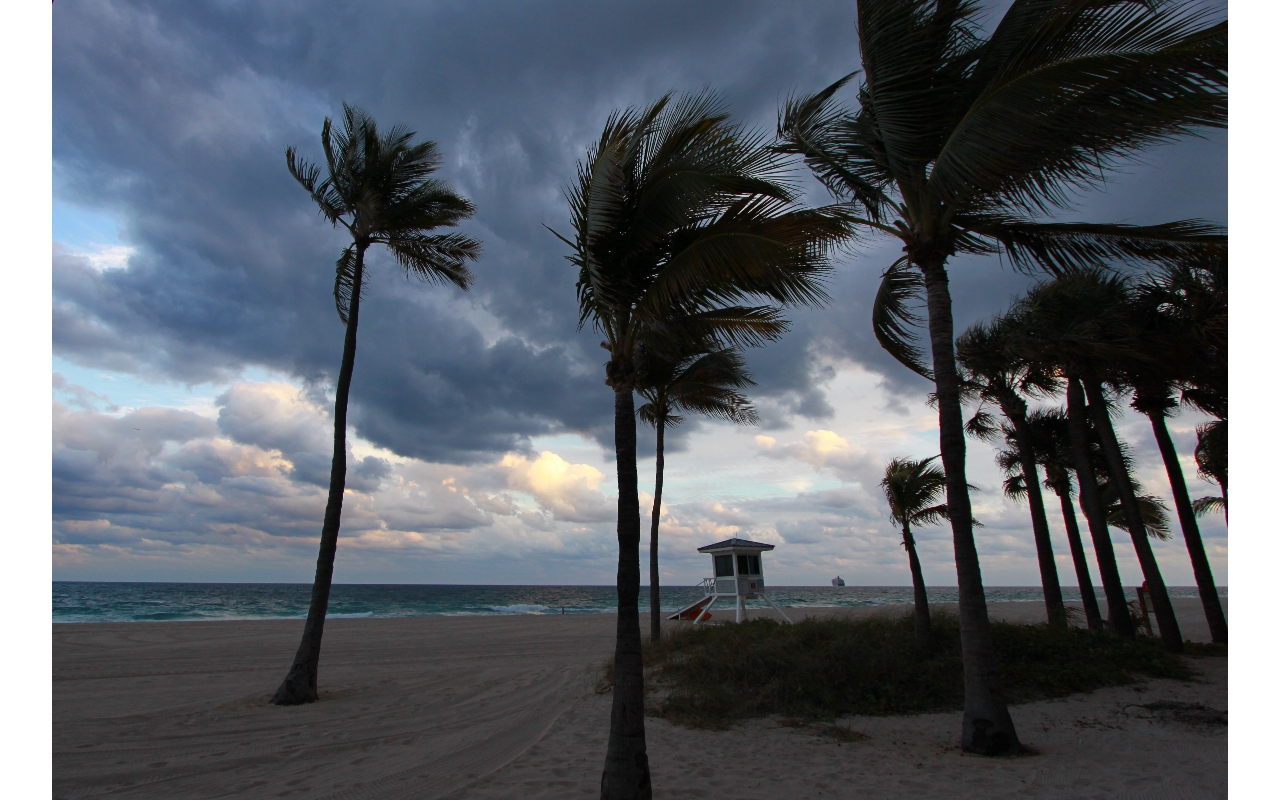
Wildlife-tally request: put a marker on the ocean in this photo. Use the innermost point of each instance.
(75, 601)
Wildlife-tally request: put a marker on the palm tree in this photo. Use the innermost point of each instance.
(991, 370)
(380, 190)
(913, 489)
(678, 214)
(962, 144)
(702, 382)
(1176, 350)
(1051, 439)
(1081, 321)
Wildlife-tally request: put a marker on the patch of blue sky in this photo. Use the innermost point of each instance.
(128, 391)
(85, 229)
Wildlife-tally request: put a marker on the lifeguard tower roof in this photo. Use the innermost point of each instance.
(735, 543)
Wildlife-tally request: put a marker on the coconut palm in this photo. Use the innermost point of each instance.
(1051, 440)
(701, 382)
(378, 188)
(993, 372)
(913, 489)
(678, 214)
(1177, 349)
(1081, 321)
(963, 144)
(1009, 459)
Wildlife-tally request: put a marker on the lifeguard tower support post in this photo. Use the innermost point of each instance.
(738, 574)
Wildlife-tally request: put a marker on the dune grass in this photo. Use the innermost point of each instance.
(713, 675)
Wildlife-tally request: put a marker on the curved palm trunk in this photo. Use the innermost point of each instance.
(655, 606)
(299, 684)
(1190, 532)
(924, 628)
(987, 728)
(626, 764)
(1039, 521)
(1169, 632)
(1095, 513)
(1092, 614)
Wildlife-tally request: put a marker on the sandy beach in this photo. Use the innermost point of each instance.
(503, 707)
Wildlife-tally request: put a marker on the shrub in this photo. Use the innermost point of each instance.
(709, 676)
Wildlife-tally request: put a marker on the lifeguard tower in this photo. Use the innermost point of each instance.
(738, 575)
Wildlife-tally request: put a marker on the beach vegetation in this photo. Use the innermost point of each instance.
(680, 219)
(964, 142)
(378, 187)
(712, 676)
(697, 377)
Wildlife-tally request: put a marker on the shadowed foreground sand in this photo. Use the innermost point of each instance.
(502, 707)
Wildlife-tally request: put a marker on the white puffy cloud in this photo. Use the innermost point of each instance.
(570, 492)
(826, 450)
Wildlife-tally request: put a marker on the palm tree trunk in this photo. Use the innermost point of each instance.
(1169, 631)
(299, 684)
(1190, 531)
(626, 764)
(1094, 513)
(987, 728)
(1092, 615)
(1057, 611)
(924, 628)
(655, 606)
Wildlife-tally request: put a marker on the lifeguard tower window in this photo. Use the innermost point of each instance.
(748, 565)
(724, 566)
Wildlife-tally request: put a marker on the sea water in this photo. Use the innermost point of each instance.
(141, 602)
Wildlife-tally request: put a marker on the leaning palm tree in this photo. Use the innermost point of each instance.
(701, 382)
(678, 215)
(962, 144)
(913, 489)
(1081, 321)
(993, 371)
(378, 188)
(1175, 351)
(1052, 441)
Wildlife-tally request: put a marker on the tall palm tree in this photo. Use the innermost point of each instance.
(1052, 441)
(378, 188)
(701, 382)
(678, 214)
(913, 489)
(962, 144)
(1176, 350)
(1081, 321)
(991, 369)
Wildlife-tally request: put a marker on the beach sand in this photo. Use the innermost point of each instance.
(504, 707)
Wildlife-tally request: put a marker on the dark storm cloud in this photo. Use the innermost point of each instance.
(174, 117)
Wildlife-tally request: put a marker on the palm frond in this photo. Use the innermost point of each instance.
(436, 258)
(983, 425)
(1061, 247)
(894, 319)
(1088, 85)
(1209, 505)
(344, 283)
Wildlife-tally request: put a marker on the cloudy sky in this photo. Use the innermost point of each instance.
(195, 340)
